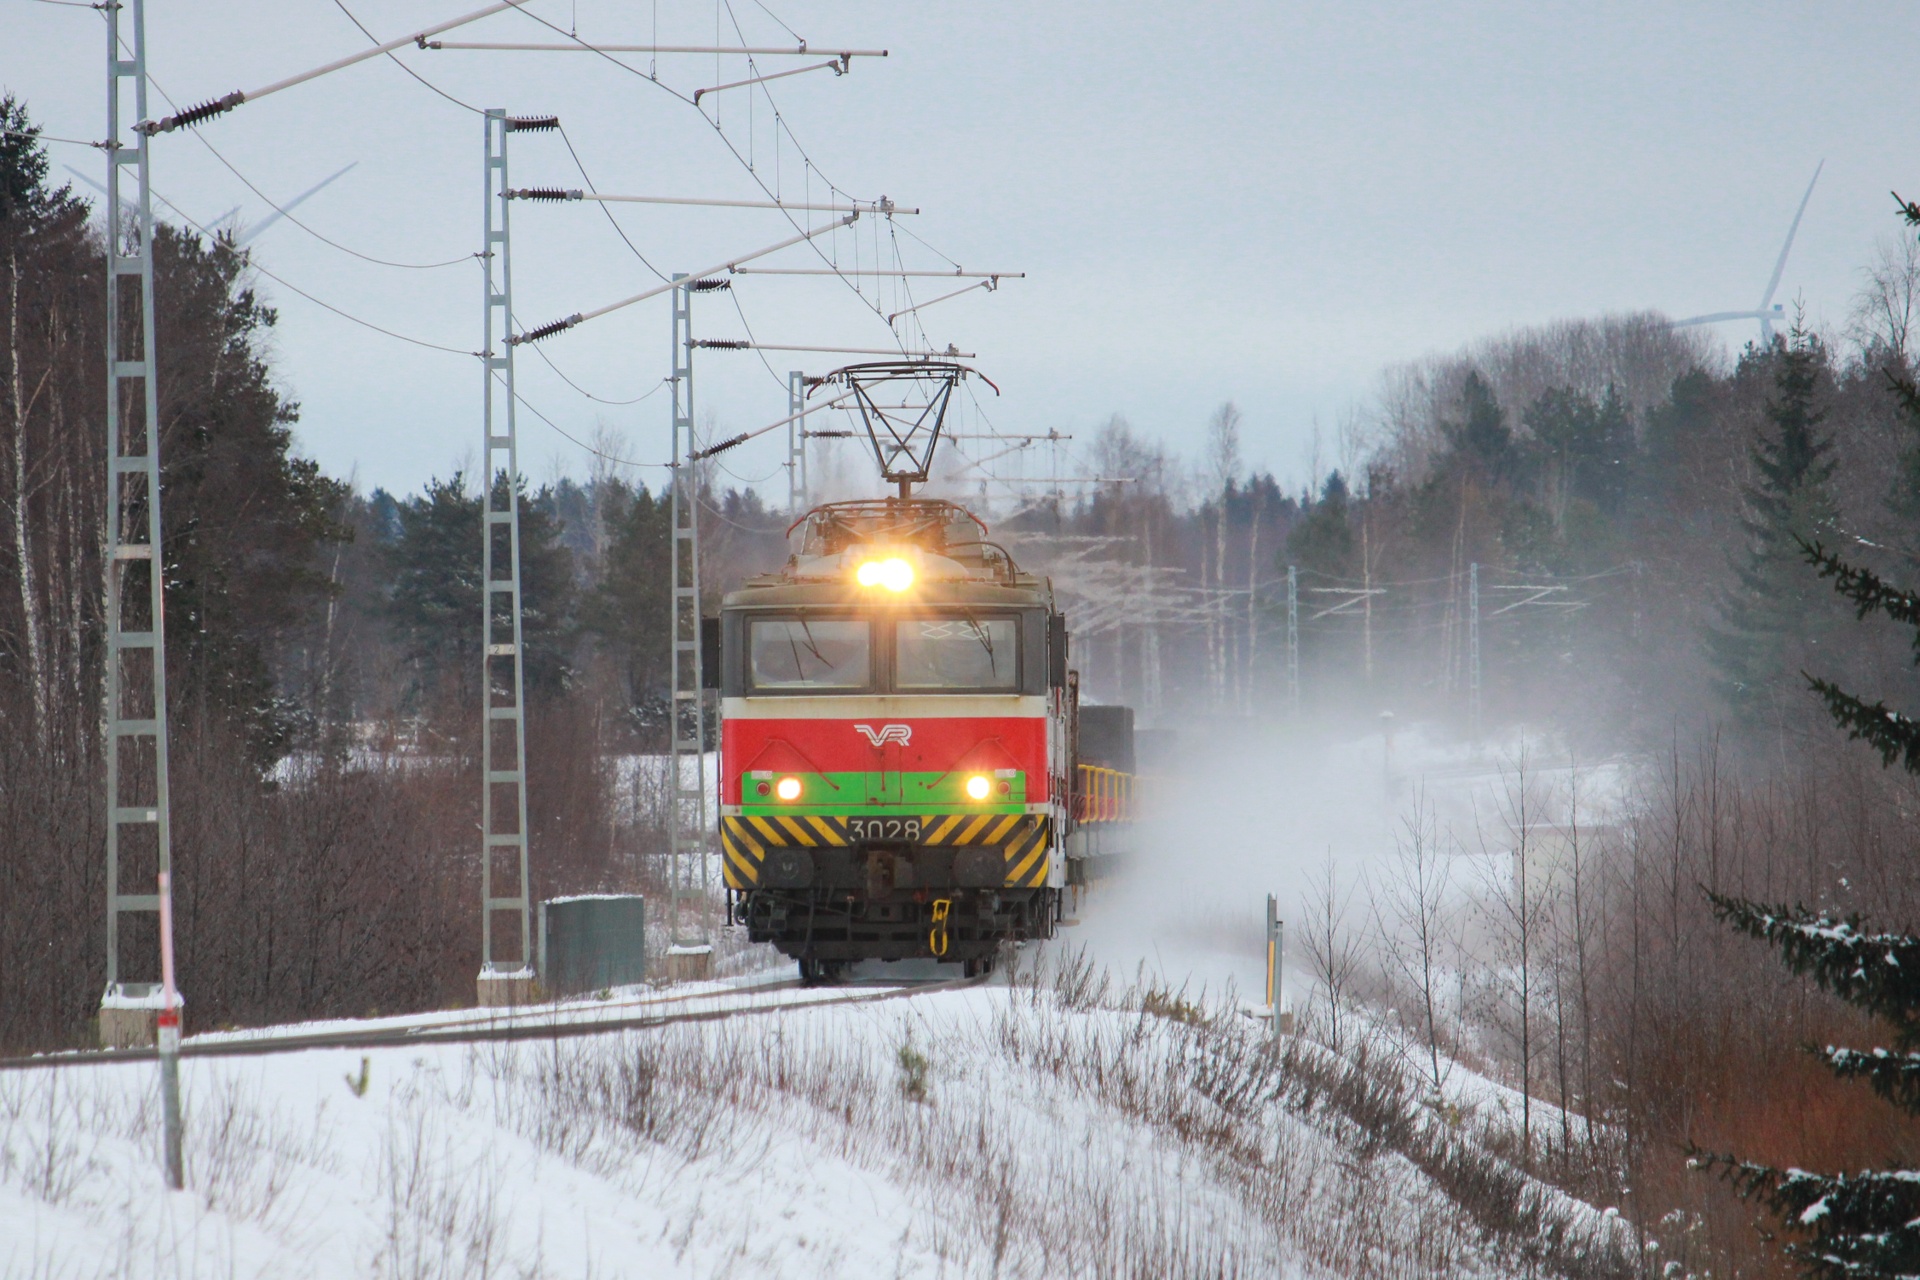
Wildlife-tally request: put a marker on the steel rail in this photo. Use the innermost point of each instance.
(401, 1037)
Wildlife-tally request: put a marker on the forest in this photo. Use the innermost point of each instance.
(1596, 529)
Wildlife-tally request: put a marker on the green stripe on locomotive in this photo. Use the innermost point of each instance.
(893, 794)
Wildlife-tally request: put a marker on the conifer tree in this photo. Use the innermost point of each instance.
(434, 597)
(1865, 1224)
(1323, 542)
(627, 611)
(1481, 439)
(1774, 607)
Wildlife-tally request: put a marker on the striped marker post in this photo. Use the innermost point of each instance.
(1276, 951)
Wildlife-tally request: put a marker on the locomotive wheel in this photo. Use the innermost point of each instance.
(815, 973)
(979, 967)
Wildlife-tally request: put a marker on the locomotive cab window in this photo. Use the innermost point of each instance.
(965, 654)
(800, 655)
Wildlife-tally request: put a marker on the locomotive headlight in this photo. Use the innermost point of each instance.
(893, 573)
(979, 786)
(787, 789)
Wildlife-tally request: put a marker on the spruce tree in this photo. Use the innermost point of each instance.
(433, 599)
(1775, 608)
(1865, 1224)
(1323, 542)
(627, 611)
(1481, 440)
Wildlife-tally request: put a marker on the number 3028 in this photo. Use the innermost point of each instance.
(883, 828)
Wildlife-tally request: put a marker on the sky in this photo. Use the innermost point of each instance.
(1262, 202)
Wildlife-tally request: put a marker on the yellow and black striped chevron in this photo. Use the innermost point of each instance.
(1022, 838)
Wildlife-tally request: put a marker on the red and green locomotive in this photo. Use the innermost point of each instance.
(895, 743)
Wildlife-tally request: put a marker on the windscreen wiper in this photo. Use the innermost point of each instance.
(980, 634)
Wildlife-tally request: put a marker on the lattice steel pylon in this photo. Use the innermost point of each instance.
(1293, 640)
(138, 794)
(796, 443)
(687, 840)
(1473, 647)
(503, 799)
(137, 735)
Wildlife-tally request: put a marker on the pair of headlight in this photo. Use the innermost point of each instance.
(979, 787)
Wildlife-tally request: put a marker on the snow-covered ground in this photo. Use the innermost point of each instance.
(1055, 1123)
(1036, 1128)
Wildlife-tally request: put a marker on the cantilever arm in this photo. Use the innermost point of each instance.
(218, 106)
(580, 317)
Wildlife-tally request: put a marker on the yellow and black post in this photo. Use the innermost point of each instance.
(1276, 951)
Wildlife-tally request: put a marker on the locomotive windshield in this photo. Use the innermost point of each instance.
(957, 653)
(810, 653)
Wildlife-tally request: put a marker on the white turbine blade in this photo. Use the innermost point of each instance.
(1779, 268)
(1717, 318)
(253, 232)
(95, 185)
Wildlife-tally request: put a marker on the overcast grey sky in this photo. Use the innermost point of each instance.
(1263, 202)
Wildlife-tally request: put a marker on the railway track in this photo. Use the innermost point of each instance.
(554, 1024)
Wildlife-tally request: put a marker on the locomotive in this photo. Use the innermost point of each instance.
(896, 739)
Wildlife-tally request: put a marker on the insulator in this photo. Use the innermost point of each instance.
(723, 344)
(194, 115)
(545, 330)
(532, 124)
(722, 447)
(540, 193)
(708, 286)
(828, 435)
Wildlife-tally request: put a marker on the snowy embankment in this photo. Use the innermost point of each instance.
(1052, 1126)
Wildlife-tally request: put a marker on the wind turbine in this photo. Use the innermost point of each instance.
(1768, 311)
(253, 232)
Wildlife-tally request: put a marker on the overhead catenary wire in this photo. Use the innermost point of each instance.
(430, 85)
(248, 183)
(230, 101)
(765, 363)
(611, 220)
(247, 259)
(558, 373)
(567, 435)
(725, 141)
(220, 106)
(581, 317)
(227, 103)
(38, 136)
(323, 239)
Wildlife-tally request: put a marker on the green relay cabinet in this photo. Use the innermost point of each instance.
(592, 941)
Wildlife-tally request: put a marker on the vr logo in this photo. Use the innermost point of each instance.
(900, 733)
